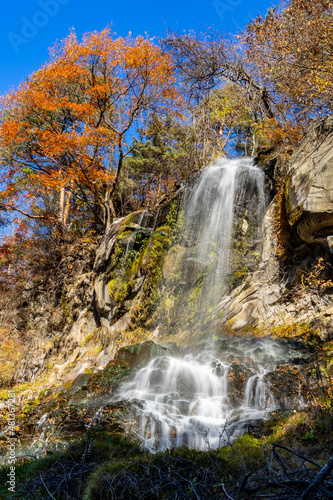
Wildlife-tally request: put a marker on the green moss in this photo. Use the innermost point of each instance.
(244, 454)
(290, 330)
(152, 268)
(88, 338)
(172, 216)
(118, 289)
(138, 261)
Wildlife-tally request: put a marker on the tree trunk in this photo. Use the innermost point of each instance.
(61, 209)
(109, 210)
(67, 205)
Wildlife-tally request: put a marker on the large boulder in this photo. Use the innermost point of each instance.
(309, 189)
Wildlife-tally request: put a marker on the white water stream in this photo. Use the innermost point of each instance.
(222, 189)
(187, 401)
(209, 211)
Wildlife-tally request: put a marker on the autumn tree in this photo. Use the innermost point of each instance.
(292, 49)
(218, 74)
(65, 130)
(208, 60)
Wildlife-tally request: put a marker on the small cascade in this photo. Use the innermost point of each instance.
(44, 432)
(257, 393)
(187, 401)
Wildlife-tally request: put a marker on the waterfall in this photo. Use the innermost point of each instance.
(187, 401)
(226, 187)
(210, 208)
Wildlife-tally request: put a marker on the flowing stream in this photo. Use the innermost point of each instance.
(188, 401)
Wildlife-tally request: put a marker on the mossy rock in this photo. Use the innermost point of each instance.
(140, 354)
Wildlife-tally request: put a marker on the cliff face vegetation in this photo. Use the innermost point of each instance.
(100, 150)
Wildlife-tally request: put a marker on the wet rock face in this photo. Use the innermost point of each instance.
(285, 380)
(287, 386)
(310, 186)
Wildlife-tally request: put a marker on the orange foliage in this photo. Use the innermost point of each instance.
(280, 220)
(65, 127)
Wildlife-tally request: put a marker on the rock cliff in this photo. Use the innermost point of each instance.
(309, 187)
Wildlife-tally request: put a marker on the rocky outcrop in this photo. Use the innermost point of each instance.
(106, 246)
(310, 186)
(267, 299)
(106, 307)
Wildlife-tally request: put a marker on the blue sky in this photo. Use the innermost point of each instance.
(29, 27)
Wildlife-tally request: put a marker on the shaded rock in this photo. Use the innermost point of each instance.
(288, 387)
(309, 193)
(106, 245)
(329, 331)
(80, 381)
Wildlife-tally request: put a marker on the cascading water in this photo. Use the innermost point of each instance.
(187, 401)
(209, 211)
(221, 190)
